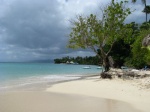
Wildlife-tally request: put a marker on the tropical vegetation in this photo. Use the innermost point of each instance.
(90, 32)
(115, 42)
(88, 60)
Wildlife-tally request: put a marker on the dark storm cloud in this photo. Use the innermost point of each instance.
(38, 29)
(36, 25)
(33, 24)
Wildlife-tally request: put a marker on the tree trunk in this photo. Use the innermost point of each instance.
(106, 63)
(105, 60)
(146, 10)
(146, 17)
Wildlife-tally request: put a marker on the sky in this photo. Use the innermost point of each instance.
(39, 29)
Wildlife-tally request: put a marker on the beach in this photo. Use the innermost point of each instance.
(90, 94)
(133, 92)
(55, 102)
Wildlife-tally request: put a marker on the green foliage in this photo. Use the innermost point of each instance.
(140, 55)
(135, 32)
(89, 32)
(145, 26)
(84, 32)
(114, 27)
(120, 51)
(91, 60)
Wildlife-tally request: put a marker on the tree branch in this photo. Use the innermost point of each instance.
(110, 48)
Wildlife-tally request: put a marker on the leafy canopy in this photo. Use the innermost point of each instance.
(140, 55)
(94, 33)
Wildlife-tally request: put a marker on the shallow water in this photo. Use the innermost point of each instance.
(23, 74)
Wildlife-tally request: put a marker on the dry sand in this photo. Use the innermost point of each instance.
(130, 91)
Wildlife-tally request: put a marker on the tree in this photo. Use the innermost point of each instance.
(119, 52)
(91, 60)
(146, 8)
(142, 58)
(89, 32)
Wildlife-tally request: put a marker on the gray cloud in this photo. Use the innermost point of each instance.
(32, 24)
(37, 29)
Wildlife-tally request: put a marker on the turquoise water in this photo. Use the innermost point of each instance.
(20, 74)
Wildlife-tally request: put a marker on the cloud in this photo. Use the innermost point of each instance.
(38, 29)
(32, 24)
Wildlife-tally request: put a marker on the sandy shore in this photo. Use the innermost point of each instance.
(54, 102)
(87, 95)
(129, 91)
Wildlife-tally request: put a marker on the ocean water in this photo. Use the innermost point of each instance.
(14, 75)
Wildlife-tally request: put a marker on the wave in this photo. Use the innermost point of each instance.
(36, 80)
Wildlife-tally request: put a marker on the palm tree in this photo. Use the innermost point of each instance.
(146, 11)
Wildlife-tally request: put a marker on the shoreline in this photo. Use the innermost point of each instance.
(41, 86)
(101, 94)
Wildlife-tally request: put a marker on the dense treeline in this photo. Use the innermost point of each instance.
(91, 60)
(139, 55)
(131, 53)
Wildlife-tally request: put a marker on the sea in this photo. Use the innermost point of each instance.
(35, 75)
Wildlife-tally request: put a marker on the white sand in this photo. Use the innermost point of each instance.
(117, 89)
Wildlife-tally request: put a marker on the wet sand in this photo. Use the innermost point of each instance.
(55, 102)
